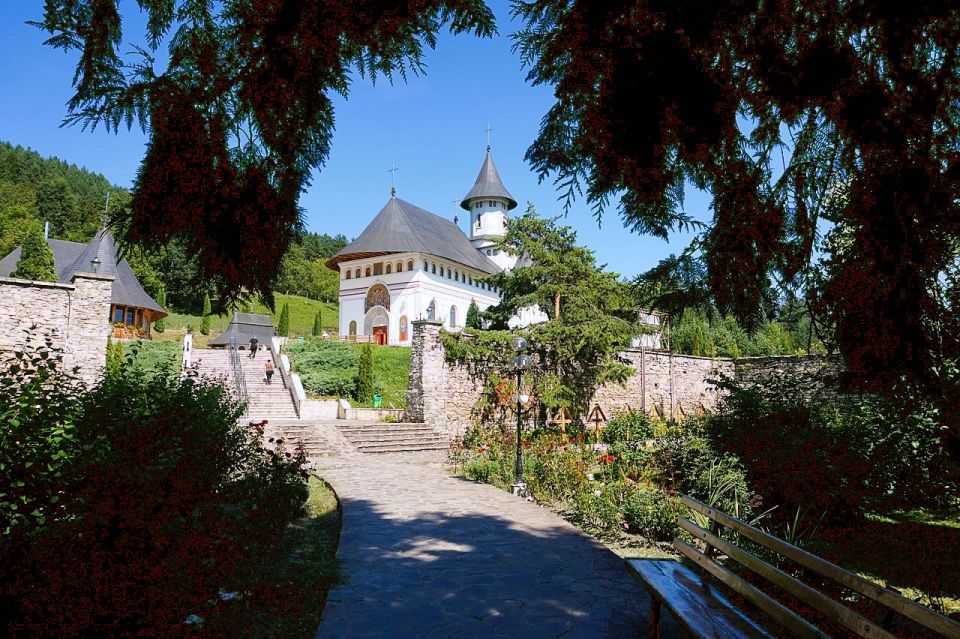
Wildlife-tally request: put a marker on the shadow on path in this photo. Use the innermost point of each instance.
(427, 555)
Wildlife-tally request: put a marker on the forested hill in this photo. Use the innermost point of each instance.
(35, 189)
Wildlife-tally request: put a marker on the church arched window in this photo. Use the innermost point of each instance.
(441, 271)
(346, 274)
(399, 267)
(470, 278)
(353, 329)
(389, 268)
(410, 265)
(456, 275)
(453, 316)
(432, 310)
(357, 273)
(489, 252)
(367, 272)
(433, 268)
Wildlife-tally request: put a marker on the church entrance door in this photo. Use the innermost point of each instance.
(380, 335)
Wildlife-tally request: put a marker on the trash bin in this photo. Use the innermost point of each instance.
(376, 401)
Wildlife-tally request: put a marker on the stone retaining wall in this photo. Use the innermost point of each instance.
(665, 385)
(73, 317)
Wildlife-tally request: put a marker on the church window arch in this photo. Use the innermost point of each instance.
(456, 275)
(357, 273)
(410, 265)
(453, 316)
(378, 268)
(433, 268)
(389, 269)
(367, 272)
(470, 278)
(489, 252)
(441, 271)
(432, 310)
(353, 328)
(399, 267)
(490, 204)
(346, 274)
(377, 295)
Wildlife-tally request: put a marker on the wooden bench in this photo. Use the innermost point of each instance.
(704, 612)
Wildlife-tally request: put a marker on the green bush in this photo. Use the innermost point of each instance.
(318, 324)
(205, 320)
(363, 387)
(652, 513)
(325, 367)
(283, 324)
(149, 494)
(36, 258)
(161, 325)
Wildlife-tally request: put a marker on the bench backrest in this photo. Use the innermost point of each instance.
(800, 627)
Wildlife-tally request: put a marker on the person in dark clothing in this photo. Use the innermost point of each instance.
(254, 345)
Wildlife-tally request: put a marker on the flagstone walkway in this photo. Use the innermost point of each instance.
(425, 554)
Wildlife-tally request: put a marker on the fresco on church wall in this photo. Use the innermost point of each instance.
(403, 328)
(378, 295)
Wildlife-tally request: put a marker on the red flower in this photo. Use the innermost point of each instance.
(608, 459)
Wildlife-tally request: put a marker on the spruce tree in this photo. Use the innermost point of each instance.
(205, 322)
(318, 323)
(364, 384)
(283, 325)
(473, 315)
(114, 364)
(36, 259)
(161, 325)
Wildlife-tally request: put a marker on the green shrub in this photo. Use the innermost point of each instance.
(652, 513)
(36, 258)
(283, 324)
(154, 492)
(318, 324)
(326, 367)
(161, 325)
(363, 387)
(599, 509)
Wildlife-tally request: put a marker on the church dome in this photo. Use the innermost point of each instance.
(488, 185)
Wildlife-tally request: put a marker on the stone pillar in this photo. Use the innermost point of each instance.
(427, 389)
(88, 325)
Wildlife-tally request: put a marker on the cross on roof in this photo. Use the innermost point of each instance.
(488, 130)
(393, 178)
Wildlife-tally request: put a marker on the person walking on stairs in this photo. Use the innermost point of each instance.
(269, 371)
(254, 344)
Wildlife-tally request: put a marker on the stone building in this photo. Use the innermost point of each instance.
(410, 264)
(131, 310)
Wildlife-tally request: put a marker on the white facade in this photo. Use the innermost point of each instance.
(384, 294)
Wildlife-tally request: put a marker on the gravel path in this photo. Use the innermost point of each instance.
(429, 555)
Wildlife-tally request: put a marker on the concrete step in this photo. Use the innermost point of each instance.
(402, 448)
(376, 441)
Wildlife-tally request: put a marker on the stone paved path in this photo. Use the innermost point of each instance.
(429, 555)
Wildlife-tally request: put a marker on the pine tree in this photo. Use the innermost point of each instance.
(205, 322)
(473, 315)
(36, 259)
(318, 323)
(283, 325)
(364, 383)
(161, 325)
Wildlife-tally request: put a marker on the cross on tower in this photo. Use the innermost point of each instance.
(393, 178)
(488, 130)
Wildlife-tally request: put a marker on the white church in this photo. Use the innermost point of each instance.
(411, 264)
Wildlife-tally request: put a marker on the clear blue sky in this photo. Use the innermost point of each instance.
(432, 127)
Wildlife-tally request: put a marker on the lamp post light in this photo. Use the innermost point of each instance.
(520, 363)
(95, 264)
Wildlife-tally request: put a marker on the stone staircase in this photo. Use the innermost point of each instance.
(321, 439)
(264, 401)
(386, 438)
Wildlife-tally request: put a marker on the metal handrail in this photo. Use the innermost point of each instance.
(237, 368)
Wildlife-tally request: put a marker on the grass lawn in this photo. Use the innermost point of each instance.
(286, 597)
(302, 312)
(147, 355)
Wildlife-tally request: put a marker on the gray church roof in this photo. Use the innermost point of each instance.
(243, 326)
(488, 184)
(401, 227)
(72, 257)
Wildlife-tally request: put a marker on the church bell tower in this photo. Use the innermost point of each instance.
(488, 202)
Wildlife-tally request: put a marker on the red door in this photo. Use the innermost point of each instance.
(380, 335)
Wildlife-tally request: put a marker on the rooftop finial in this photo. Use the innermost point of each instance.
(488, 130)
(393, 178)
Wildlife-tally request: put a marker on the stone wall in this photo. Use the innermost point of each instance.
(665, 385)
(73, 317)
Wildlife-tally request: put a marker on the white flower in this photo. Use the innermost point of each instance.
(597, 493)
(590, 476)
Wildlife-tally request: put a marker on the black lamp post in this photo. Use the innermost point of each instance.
(520, 363)
(95, 264)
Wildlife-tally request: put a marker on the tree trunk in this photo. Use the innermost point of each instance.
(556, 306)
